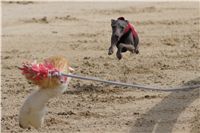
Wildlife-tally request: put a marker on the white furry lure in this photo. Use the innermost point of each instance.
(46, 75)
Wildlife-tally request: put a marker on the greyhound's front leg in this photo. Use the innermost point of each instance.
(113, 44)
(111, 49)
(119, 51)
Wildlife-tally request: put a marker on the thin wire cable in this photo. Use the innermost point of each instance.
(140, 86)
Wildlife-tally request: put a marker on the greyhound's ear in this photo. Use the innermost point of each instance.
(112, 21)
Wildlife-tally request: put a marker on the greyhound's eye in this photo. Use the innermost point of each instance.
(121, 27)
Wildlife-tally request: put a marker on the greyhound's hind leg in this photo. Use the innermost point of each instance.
(129, 47)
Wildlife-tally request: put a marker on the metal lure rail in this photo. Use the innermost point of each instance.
(144, 87)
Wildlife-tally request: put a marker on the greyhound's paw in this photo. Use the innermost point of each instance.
(110, 51)
(136, 51)
(119, 55)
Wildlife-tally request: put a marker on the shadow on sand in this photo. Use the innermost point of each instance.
(162, 117)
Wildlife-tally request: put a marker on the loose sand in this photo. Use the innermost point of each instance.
(169, 56)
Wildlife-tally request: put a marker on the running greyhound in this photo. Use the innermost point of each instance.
(124, 37)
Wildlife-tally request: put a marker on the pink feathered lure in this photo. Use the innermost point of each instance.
(38, 71)
(48, 73)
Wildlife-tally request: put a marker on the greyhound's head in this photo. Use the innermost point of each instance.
(118, 28)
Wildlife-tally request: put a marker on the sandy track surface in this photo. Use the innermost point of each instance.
(169, 56)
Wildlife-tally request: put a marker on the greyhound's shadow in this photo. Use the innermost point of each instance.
(162, 117)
